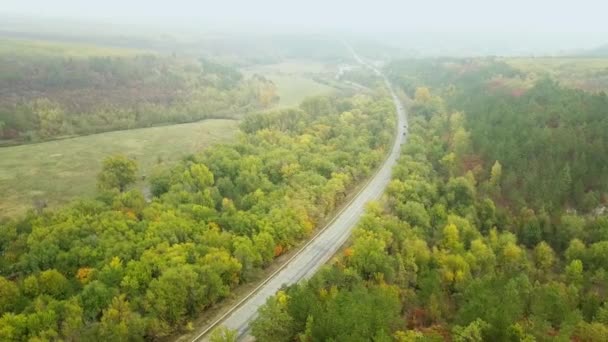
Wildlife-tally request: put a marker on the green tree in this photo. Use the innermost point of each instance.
(223, 334)
(544, 257)
(497, 301)
(574, 272)
(496, 174)
(471, 333)
(95, 297)
(53, 283)
(9, 295)
(247, 255)
(460, 192)
(30, 286)
(199, 176)
(553, 302)
(409, 336)
(72, 324)
(120, 323)
(175, 294)
(512, 258)
(117, 172)
(565, 181)
(274, 322)
(264, 244)
(13, 327)
(484, 259)
(369, 257)
(51, 118)
(593, 332)
(451, 238)
(576, 250)
(414, 213)
(454, 269)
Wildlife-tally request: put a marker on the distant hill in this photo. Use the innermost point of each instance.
(601, 51)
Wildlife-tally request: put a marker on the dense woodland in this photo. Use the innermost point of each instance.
(551, 140)
(45, 97)
(118, 268)
(484, 234)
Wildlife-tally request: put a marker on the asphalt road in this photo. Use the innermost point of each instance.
(326, 243)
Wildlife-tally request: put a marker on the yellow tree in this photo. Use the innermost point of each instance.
(544, 256)
(117, 173)
(50, 117)
(496, 174)
(451, 238)
(422, 95)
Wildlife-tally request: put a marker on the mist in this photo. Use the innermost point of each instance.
(527, 27)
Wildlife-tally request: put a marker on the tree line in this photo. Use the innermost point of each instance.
(452, 252)
(44, 98)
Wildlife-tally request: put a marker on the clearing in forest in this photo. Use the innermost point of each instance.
(58, 171)
(295, 80)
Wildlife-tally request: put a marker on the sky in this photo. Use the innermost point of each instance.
(534, 16)
(524, 27)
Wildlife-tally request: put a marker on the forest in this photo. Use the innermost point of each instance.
(120, 268)
(219, 171)
(492, 229)
(549, 138)
(45, 97)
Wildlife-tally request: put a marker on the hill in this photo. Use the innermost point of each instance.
(601, 51)
(50, 90)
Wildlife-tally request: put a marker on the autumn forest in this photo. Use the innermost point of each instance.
(265, 171)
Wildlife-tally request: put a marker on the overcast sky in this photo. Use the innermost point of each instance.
(545, 16)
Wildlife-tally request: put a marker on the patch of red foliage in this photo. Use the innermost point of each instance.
(472, 162)
(348, 252)
(553, 332)
(468, 67)
(418, 318)
(9, 133)
(278, 250)
(496, 84)
(518, 92)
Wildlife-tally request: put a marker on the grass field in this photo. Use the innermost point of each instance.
(294, 80)
(39, 48)
(58, 171)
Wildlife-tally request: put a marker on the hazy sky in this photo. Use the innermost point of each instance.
(369, 15)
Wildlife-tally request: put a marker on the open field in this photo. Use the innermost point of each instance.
(585, 73)
(40, 48)
(294, 80)
(58, 171)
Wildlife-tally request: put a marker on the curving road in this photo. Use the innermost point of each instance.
(326, 243)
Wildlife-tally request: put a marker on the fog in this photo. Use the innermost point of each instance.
(554, 24)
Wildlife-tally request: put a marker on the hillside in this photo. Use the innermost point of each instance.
(50, 90)
(601, 51)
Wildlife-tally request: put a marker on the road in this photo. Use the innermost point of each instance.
(326, 243)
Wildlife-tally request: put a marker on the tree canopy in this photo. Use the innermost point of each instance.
(481, 236)
(122, 268)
